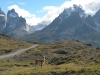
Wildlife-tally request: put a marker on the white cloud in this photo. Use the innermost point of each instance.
(90, 6)
(31, 19)
(51, 14)
(21, 12)
(53, 11)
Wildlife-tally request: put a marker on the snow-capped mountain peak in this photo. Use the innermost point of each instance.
(12, 13)
(68, 11)
(13, 25)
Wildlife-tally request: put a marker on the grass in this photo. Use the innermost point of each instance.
(67, 51)
(62, 58)
(8, 44)
(63, 69)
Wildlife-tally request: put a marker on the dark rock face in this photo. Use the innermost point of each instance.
(14, 21)
(96, 18)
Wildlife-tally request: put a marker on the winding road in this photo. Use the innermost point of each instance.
(17, 52)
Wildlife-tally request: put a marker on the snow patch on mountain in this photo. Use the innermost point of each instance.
(68, 11)
(13, 15)
(2, 15)
(98, 24)
(27, 28)
(13, 25)
(56, 28)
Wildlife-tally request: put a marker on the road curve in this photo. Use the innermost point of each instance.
(17, 52)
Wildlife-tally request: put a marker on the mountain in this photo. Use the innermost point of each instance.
(97, 18)
(3, 20)
(38, 27)
(72, 23)
(13, 25)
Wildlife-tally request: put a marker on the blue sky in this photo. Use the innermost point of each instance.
(36, 11)
(31, 5)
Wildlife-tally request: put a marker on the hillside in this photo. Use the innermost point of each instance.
(8, 44)
(72, 51)
(62, 58)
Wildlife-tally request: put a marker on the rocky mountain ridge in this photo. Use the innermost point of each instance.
(72, 23)
(13, 25)
(3, 19)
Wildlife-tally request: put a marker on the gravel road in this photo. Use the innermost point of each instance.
(17, 52)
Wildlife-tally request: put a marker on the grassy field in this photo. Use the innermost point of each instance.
(8, 44)
(26, 68)
(62, 58)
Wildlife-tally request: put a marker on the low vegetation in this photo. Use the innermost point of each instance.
(62, 58)
(8, 44)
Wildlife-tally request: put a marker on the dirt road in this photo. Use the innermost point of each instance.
(17, 52)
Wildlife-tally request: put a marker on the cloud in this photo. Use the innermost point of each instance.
(21, 12)
(52, 12)
(31, 19)
(90, 7)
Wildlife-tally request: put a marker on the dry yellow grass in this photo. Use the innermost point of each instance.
(8, 44)
(46, 69)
